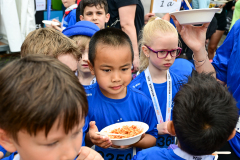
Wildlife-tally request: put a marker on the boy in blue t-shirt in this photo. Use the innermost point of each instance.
(42, 110)
(204, 119)
(69, 17)
(111, 100)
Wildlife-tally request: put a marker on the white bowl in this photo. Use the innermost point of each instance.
(130, 140)
(195, 16)
(50, 22)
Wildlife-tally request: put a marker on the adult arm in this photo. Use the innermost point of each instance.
(127, 16)
(194, 37)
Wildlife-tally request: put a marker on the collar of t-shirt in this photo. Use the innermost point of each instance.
(103, 97)
(187, 156)
(16, 157)
(69, 9)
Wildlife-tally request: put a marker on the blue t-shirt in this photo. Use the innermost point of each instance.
(182, 67)
(157, 153)
(70, 19)
(227, 65)
(85, 130)
(135, 106)
(140, 83)
(168, 154)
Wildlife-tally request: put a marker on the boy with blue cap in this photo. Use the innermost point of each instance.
(81, 33)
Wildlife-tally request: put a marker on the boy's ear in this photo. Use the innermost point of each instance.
(7, 141)
(91, 67)
(107, 17)
(81, 17)
(145, 51)
(232, 135)
(171, 129)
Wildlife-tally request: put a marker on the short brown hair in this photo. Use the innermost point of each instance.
(37, 90)
(82, 42)
(48, 41)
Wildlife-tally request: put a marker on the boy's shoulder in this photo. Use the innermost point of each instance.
(90, 89)
(138, 94)
(138, 81)
(156, 153)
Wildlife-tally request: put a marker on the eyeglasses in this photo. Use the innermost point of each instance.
(164, 53)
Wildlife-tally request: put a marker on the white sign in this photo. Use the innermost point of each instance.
(166, 6)
(40, 5)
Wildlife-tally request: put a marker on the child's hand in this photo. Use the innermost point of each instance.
(163, 128)
(193, 36)
(88, 154)
(96, 139)
(1, 155)
(55, 20)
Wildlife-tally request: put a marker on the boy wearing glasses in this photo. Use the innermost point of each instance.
(156, 79)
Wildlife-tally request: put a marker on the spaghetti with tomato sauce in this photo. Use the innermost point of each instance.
(126, 131)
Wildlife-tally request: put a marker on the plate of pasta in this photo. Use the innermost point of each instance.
(130, 132)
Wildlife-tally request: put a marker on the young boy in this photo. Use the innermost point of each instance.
(69, 17)
(204, 119)
(110, 99)
(50, 42)
(81, 33)
(42, 110)
(95, 11)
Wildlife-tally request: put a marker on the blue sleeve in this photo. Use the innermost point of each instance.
(140, 156)
(72, 19)
(223, 53)
(150, 118)
(3, 150)
(85, 130)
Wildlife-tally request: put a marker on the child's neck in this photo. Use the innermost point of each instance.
(158, 76)
(85, 78)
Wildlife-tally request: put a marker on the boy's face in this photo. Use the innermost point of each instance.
(69, 60)
(68, 3)
(83, 63)
(112, 68)
(96, 15)
(56, 146)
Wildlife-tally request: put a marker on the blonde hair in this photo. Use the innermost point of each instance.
(148, 32)
(48, 41)
(82, 42)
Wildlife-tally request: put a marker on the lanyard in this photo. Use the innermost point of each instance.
(155, 99)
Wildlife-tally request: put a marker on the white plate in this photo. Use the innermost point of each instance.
(130, 140)
(47, 22)
(195, 16)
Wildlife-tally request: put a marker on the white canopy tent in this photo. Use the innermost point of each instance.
(17, 19)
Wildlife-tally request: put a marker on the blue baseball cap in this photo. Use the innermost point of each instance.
(85, 28)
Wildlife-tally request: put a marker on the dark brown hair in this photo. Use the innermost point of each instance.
(48, 41)
(91, 3)
(35, 92)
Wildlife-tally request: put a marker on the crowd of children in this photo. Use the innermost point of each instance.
(68, 86)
